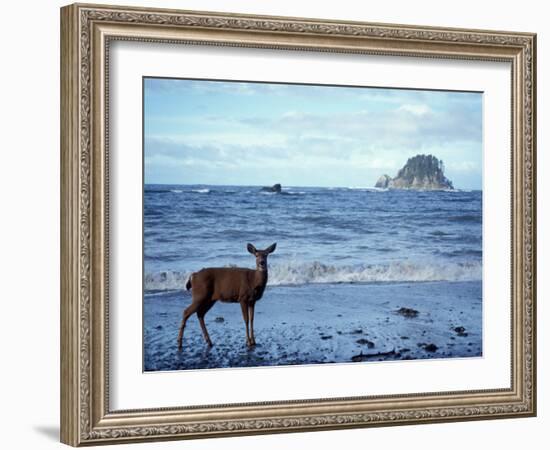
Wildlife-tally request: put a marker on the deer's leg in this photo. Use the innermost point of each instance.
(251, 315)
(186, 313)
(244, 308)
(200, 314)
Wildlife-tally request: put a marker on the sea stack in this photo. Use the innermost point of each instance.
(383, 182)
(276, 188)
(421, 172)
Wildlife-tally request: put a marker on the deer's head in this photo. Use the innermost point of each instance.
(261, 255)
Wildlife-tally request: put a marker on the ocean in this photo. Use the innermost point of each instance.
(335, 246)
(323, 235)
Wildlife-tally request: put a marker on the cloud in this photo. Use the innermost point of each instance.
(463, 166)
(417, 110)
(332, 135)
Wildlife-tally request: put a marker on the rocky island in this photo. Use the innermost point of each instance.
(421, 172)
(276, 188)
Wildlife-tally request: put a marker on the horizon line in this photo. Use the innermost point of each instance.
(301, 186)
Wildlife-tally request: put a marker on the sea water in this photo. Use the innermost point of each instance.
(347, 261)
(323, 235)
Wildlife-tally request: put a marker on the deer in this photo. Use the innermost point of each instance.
(227, 284)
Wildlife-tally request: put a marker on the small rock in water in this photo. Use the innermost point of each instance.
(219, 319)
(324, 338)
(405, 337)
(407, 312)
(366, 342)
(159, 327)
(276, 188)
(461, 331)
(431, 348)
(357, 331)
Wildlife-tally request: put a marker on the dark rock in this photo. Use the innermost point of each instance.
(277, 188)
(365, 356)
(407, 312)
(461, 331)
(431, 348)
(366, 342)
(421, 172)
(219, 319)
(357, 331)
(324, 338)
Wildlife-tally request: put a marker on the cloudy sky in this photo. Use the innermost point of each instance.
(234, 133)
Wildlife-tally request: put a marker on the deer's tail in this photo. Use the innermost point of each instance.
(188, 285)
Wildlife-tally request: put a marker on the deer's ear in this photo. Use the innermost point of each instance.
(251, 248)
(271, 248)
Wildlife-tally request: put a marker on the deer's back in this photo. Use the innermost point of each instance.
(223, 283)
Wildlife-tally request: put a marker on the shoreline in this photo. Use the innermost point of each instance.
(320, 324)
(183, 292)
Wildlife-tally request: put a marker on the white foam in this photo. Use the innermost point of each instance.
(316, 272)
(300, 273)
(166, 281)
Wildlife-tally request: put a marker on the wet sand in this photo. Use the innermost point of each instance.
(320, 323)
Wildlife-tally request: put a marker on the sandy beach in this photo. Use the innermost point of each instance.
(321, 323)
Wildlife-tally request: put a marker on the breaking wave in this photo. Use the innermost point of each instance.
(294, 274)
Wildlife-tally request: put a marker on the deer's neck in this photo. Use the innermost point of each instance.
(260, 280)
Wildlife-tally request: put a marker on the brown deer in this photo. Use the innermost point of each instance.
(228, 284)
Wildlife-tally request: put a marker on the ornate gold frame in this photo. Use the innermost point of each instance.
(86, 31)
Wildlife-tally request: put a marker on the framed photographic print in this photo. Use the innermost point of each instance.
(279, 224)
